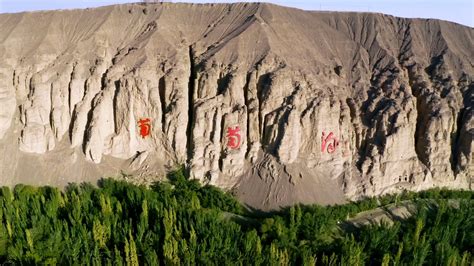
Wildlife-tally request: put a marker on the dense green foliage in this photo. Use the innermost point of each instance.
(182, 222)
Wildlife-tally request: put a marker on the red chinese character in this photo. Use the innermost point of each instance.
(145, 127)
(233, 136)
(329, 143)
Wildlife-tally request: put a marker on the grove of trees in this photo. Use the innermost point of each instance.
(181, 222)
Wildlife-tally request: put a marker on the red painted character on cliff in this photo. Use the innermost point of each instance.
(145, 127)
(233, 136)
(329, 143)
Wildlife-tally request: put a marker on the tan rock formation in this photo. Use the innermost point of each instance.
(279, 104)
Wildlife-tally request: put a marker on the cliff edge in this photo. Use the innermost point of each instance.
(279, 104)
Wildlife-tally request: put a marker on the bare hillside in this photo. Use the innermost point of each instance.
(279, 104)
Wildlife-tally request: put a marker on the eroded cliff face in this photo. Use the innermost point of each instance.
(279, 104)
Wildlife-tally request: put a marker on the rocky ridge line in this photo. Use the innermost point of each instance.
(395, 93)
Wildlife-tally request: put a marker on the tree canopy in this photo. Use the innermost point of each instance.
(181, 222)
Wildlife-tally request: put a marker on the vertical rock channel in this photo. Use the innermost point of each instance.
(191, 84)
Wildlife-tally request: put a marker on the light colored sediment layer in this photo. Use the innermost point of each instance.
(396, 93)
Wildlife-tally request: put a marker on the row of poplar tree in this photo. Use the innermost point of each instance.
(181, 222)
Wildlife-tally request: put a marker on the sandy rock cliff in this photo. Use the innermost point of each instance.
(278, 104)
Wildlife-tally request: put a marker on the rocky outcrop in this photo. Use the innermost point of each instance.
(278, 104)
